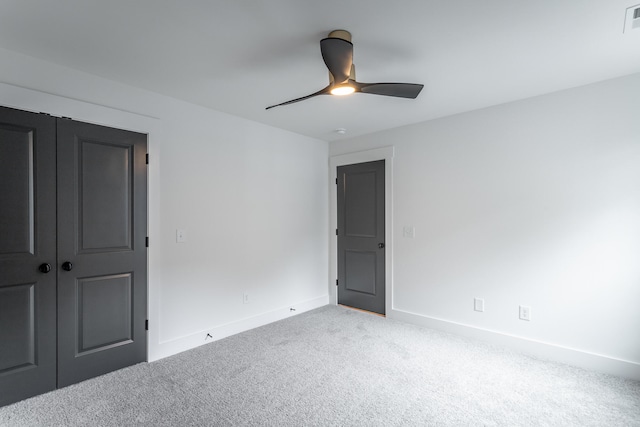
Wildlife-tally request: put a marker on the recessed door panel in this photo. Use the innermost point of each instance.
(27, 246)
(104, 312)
(360, 214)
(360, 271)
(17, 308)
(105, 196)
(17, 190)
(361, 250)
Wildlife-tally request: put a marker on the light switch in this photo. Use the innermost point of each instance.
(181, 235)
(408, 232)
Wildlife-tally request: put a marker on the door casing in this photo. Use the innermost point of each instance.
(22, 98)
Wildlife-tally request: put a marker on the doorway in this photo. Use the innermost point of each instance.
(361, 236)
(73, 275)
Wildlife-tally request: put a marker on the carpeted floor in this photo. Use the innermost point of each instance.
(338, 367)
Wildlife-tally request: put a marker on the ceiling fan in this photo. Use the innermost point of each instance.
(337, 53)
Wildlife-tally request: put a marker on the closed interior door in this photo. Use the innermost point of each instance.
(361, 254)
(27, 254)
(73, 259)
(102, 224)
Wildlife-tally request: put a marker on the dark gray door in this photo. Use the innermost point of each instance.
(361, 254)
(102, 225)
(86, 296)
(27, 241)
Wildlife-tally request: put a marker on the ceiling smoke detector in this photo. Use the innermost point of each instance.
(632, 19)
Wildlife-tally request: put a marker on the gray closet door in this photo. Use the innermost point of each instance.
(102, 257)
(361, 254)
(27, 254)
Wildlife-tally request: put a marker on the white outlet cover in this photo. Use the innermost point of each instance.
(181, 235)
(525, 313)
(478, 304)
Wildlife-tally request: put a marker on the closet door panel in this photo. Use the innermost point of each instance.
(27, 254)
(102, 224)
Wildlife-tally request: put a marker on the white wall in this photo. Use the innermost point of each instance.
(252, 198)
(535, 202)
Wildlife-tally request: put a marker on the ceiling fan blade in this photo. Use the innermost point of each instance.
(401, 90)
(324, 91)
(338, 57)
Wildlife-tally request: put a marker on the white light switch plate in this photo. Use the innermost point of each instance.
(181, 235)
(408, 231)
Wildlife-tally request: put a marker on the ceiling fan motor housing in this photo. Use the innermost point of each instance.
(352, 75)
(340, 34)
(346, 36)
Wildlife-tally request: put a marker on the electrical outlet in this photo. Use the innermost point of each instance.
(181, 236)
(245, 298)
(478, 304)
(525, 313)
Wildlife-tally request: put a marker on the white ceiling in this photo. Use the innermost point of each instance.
(239, 56)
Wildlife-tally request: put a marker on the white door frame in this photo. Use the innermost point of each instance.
(386, 154)
(58, 105)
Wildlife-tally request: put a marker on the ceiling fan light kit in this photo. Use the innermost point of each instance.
(337, 53)
(343, 89)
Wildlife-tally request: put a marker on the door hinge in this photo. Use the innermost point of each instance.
(336, 282)
(146, 241)
(147, 158)
(336, 181)
(336, 231)
(146, 325)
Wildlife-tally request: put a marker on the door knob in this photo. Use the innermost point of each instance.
(44, 268)
(380, 245)
(67, 266)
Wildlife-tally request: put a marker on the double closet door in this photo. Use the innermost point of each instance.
(73, 258)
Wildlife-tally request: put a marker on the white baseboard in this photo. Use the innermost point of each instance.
(543, 350)
(178, 345)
